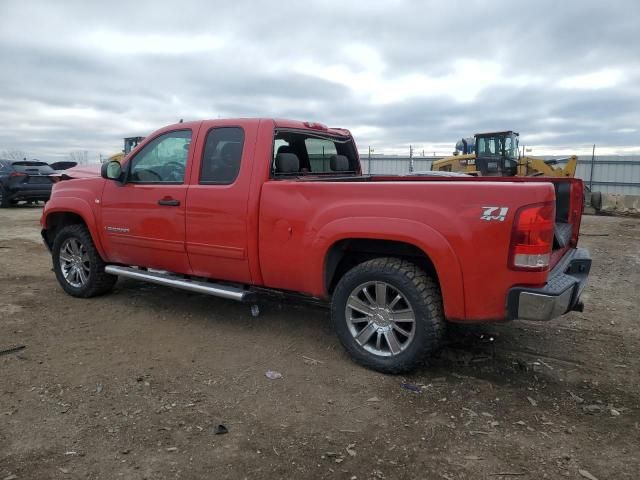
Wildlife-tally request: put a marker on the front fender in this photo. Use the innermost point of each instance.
(78, 206)
(420, 235)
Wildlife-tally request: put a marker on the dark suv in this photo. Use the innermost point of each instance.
(24, 180)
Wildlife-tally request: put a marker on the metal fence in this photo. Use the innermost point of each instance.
(607, 173)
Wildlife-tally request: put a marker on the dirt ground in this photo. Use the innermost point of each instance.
(132, 385)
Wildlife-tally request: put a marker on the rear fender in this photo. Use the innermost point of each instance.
(428, 240)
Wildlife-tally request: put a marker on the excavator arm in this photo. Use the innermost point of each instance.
(532, 166)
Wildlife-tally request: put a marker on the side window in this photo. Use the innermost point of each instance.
(222, 155)
(163, 160)
(320, 152)
(487, 146)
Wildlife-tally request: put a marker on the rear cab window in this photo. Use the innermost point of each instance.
(298, 153)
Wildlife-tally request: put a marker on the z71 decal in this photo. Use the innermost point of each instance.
(494, 213)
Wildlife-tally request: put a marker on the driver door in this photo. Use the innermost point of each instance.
(143, 219)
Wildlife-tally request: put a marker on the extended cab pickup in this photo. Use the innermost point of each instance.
(232, 207)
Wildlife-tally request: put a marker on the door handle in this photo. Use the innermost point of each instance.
(169, 202)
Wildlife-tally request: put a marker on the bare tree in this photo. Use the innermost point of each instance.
(13, 155)
(79, 156)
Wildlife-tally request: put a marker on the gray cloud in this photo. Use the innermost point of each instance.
(81, 75)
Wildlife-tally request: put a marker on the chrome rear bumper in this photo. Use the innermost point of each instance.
(560, 295)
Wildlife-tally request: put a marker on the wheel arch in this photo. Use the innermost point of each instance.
(349, 252)
(368, 238)
(56, 217)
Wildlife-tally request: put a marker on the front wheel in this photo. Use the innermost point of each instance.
(78, 265)
(388, 314)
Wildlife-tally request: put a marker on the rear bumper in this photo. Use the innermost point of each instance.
(30, 192)
(560, 295)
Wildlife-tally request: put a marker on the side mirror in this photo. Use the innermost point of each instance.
(111, 170)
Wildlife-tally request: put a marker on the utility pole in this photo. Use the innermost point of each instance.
(369, 163)
(593, 161)
(410, 159)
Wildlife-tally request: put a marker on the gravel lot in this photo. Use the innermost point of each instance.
(132, 384)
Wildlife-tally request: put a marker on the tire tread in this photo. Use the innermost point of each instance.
(431, 306)
(100, 282)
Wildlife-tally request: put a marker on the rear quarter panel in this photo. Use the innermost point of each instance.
(299, 221)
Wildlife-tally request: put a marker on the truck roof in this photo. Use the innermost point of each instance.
(278, 123)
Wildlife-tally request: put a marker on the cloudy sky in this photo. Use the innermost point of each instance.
(82, 75)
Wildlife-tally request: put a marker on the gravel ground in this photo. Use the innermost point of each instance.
(133, 384)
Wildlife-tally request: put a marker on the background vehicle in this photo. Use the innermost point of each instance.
(498, 154)
(24, 180)
(229, 207)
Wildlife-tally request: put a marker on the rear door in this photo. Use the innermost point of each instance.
(217, 201)
(143, 220)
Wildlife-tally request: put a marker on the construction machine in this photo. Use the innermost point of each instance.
(129, 144)
(498, 154)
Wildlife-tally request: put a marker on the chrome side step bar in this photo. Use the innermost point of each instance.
(170, 280)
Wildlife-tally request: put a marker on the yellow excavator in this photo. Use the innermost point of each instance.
(498, 154)
(129, 144)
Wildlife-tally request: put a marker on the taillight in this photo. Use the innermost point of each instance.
(532, 237)
(17, 174)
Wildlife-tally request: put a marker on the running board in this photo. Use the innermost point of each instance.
(170, 280)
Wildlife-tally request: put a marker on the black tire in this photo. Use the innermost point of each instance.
(4, 198)
(422, 295)
(595, 200)
(98, 282)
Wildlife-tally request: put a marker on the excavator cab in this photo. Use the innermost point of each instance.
(497, 153)
(130, 143)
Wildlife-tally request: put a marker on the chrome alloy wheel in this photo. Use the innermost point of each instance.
(380, 318)
(74, 262)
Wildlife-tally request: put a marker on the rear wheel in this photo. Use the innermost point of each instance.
(388, 314)
(78, 265)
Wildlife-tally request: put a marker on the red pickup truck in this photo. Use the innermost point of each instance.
(232, 207)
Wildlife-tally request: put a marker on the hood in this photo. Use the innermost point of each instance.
(85, 171)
